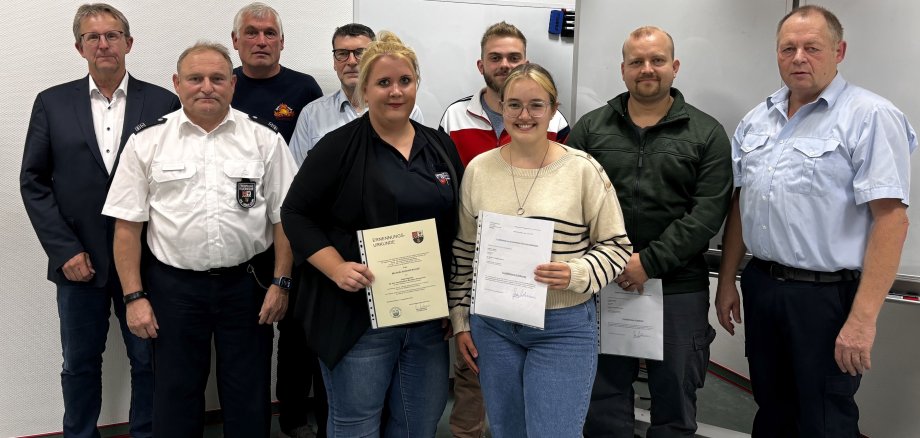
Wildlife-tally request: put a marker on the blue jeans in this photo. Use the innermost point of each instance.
(84, 314)
(405, 366)
(537, 383)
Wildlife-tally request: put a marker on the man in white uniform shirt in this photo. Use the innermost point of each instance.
(209, 181)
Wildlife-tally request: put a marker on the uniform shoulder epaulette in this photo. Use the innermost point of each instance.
(144, 125)
(262, 122)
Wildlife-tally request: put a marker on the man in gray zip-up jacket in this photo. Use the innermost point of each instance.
(671, 166)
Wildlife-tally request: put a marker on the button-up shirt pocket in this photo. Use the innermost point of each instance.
(753, 158)
(815, 166)
(176, 186)
(237, 170)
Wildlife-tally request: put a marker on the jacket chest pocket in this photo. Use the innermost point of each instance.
(816, 166)
(236, 195)
(176, 186)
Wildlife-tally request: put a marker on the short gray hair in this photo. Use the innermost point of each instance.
(206, 46)
(257, 10)
(93, 9)
(833, 24)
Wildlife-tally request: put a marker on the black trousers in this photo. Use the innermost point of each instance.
(672, 382)
(192, 309)
(297, 371)
(790, 332)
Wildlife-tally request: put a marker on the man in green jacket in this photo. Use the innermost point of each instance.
(671, 166)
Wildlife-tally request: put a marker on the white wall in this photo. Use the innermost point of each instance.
(41, 54)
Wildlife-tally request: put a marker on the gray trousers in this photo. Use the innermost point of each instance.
(672, 382)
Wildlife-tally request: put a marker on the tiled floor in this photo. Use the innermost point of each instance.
(720, 404)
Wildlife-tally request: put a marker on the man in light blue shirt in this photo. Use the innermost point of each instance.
(332, 111)
(822, 179)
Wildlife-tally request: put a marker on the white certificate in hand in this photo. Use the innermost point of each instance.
(632, 323)
(508, 249)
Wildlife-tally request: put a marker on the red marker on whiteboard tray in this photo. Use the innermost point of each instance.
(897, 296)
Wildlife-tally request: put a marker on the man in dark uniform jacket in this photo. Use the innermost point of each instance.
(74, 140)
(265, 88)
(276, 94)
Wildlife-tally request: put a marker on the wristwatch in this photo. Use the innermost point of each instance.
(134, 296)
(282, 282)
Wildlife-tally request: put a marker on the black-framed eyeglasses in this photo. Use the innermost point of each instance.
(111, 36)
(514, 109)
(342, 55)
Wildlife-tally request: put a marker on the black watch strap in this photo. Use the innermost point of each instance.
(134, 296)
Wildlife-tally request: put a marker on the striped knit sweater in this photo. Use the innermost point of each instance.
(573, 192)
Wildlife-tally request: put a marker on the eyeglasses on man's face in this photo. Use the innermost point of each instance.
(93, 38)
(342, 55)
(513, 109)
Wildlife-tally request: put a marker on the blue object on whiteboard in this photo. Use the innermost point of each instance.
(556, 18)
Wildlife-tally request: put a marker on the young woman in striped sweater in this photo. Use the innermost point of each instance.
(538, 382)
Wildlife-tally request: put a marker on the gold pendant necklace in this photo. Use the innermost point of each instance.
(520, 210)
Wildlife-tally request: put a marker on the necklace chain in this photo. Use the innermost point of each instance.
(520, 210)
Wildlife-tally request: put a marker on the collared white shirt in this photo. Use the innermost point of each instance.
(323, 115)
(806, 180)
(184, 182)
(108, 119)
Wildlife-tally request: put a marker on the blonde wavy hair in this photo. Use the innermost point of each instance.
(386, 44)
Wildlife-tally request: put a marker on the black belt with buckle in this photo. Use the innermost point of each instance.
(787, 273)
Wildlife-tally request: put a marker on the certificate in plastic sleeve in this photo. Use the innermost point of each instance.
(508, 250)
(632, 323)
(408, 282)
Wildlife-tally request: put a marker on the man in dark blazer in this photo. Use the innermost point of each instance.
(75, 134)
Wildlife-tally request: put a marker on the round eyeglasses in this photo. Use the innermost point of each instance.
(514, 109)
(342, 55)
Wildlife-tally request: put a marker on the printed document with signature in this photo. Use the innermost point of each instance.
(632, 323)
(508, 249)
(408, 282)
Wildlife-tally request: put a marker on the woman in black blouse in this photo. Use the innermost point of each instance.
(378, 170)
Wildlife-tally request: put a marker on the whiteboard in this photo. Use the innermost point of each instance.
(445, 35)
(726, 50)
(883, 56)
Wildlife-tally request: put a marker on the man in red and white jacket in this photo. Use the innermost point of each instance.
(475, 122)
